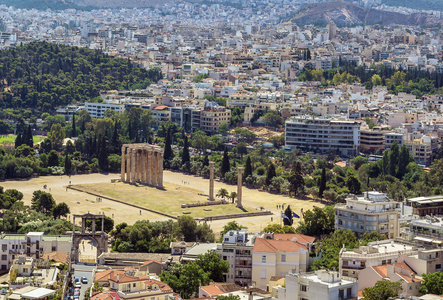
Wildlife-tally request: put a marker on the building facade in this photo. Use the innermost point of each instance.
(373, 211)
(322, 135)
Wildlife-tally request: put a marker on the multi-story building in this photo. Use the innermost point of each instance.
(182, 116)
(427, 205)
(422, 149)
(371, 140)
(195, 119)
(97, 110)
(373, 211)
(351, 262)
(236, 248)
(161, 114)
(277, 258)
(321, 284)
(426, 230)
(32, 244)
(212, 116)
(241, 100)
(323, 134)
(391, 137)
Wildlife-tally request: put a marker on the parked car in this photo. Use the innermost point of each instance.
(84, 279)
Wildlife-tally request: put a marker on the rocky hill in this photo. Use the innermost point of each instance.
(348, 14)
(82, 4)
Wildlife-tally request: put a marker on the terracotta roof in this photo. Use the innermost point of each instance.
(301, 238)
(161, 107)
(106, 296)
(124, 278)
(256, 290)
(148, 262)
(381, 270)
(105, 276)
(163, 286)
(212, 290)
(408, 279)
(265, 245)
(226, 287)
(275, 278)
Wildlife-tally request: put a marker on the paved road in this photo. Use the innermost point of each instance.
(83, 270)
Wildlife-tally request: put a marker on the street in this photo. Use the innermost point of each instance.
(83, 270)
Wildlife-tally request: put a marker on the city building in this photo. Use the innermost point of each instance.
(426, 230)
(272, 257)
(373, 211)
(321, 135)
(426, 205)
(97, 110)
(212, 116)
(32, 244)
(321, 284)
(371, 140)
(236, 248)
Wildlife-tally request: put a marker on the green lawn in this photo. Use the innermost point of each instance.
(10, 139)
(167, 201)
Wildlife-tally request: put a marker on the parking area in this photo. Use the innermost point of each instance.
(81, 270)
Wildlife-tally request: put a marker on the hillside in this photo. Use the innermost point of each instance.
(348, 14)
(416, 4)
(41, 76)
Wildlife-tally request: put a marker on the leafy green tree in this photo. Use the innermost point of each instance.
(376, 80)
(393, 159)
(233, 225)
(43, 202)
(382, 290)
(187, 227)
(273, 118)
(74, 128)
(68, 165)
(359, 161)
(103, 162)
(317, 221)
(223, 128)
(432, 283)
(53, 159)
(405, 157)
(212, 263)
(277, 228)
(371, 236)
(56, 135)
(248, 168)
(233, 195)
(61, 210)
(296, 179)
(108, 223)
(230, 297)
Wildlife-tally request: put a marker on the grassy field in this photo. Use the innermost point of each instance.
(10, 139)
(167, 201)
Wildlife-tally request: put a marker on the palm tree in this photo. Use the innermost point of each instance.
(233, 195)
(222, 193)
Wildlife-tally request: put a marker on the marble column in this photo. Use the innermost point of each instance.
(93, 225)
(143, 163)
(211, 181)
(148, 166)
(133, 167)
(138, 165)
(152, 166)
(123, 164)
(128, 165)
(239, 186)
(160, 170)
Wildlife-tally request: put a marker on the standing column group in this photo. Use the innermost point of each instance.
(142, 163)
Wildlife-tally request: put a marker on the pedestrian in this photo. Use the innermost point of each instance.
(140, 211)
(272, 219)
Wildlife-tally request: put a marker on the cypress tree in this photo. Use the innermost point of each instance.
(18, 140)
(288, 214)
(74, 129)
(185, 154)
(68, 165)
(248, 168)
(270, 174)
(115, 142)
(225, 167)
(167, 156)
(206, 160)
(103, 155)
(28, 140)
(322, 186)
(393, 159)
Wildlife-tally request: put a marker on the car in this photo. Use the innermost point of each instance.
(77, 284)
(84, 279)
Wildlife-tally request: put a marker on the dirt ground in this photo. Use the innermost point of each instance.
(82, 203)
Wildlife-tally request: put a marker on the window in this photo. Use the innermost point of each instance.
(54, 248)
(283, 258)
(263, 274)
(303, 288)
(4, 257)
(438, 266)
(349, 292)
(263, 259)
(4, 247)
(383, 262)
(133, 285)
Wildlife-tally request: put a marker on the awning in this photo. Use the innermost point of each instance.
(419, 238)
(38, 293)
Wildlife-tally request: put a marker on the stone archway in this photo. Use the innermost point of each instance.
(99, 237)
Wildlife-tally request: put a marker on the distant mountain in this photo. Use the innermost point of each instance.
(416, 4)
(348, 14)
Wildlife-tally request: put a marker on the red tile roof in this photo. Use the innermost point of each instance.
(301, 238)
(265, 245)
(105, 276)
(212, 290)
(106, 296)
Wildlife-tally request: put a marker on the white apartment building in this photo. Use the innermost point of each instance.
(373, 211)
(97, 110)
(391, 137)
(31, 244)
(321, 284)
(236, 248)
(351, 262)
(427, 230)
(321, 135)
